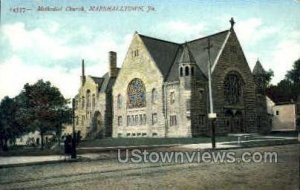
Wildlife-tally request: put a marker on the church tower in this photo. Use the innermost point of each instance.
(263, 120)
(187, 65)
(259, 75)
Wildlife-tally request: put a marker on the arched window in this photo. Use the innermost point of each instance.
(119, 101)
(233, 88)
(94, 101)
(88, 98)
(136, 94)
(186, 71)
(192, 71)
(181, 71)
(154, 96)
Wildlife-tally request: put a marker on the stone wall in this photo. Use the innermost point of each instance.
(233, 59)
(140, 66)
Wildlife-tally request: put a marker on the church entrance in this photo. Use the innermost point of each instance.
(234, 121)
(98, 125)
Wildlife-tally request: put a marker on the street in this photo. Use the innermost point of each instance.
(110, 174)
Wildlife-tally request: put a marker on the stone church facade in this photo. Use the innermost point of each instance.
(162, 90)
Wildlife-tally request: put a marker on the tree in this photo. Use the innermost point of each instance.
(268, 77)
(287, 89)
(293, 76)
(43, 108)
(9, 126)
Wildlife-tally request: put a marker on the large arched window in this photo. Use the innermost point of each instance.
(136, 94)
(233, 88)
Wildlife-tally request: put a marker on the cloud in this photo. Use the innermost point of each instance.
(252, 30)
(178, 30)
(58, 45)
(14, 74)
(284, 55)
(55, 56)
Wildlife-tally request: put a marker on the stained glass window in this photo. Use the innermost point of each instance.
(233, 88)
(136, 94)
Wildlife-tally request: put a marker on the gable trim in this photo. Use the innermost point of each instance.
(220, 52)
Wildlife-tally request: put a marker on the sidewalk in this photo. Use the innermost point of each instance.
(35, 160)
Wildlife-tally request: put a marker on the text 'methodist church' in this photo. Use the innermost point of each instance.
(161, 90)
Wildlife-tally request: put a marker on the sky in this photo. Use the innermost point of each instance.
(50, 45)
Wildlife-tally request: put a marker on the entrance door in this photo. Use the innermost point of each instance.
(234, 121)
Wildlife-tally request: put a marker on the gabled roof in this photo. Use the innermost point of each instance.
(198, 46)
(258, 68)
(196, 52)
(162, 52)
(97, 80)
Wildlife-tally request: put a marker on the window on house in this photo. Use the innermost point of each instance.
(128, 121)
(82, 102)
(173, 120)
(154, 96)
(136, 93)
(141, 119)
(187, 71)
(77, 120)
(233, 88)
(188, 104)
(181, 71)
(277, 112)
(119, 101)
(154, 118)
(82, 120)
(172, 97)
(88, 98)
(135, 53)
(201, 119)
(120, 121)
(94, 101)
(144, 119)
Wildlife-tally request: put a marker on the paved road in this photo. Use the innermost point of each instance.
(110, 174)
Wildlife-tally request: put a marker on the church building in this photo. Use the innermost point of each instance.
(161, 90)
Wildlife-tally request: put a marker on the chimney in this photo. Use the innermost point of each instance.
(82, 73)
(113, 70)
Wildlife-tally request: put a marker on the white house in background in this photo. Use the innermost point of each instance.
(34, 138)
(283, 115)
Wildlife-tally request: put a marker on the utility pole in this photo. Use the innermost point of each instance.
(73, 155)
(212, 116)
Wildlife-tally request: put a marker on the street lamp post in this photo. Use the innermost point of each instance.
(73, 154)
(212, 116)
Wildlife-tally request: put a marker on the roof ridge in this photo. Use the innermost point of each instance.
(158, 39)
(206, 36)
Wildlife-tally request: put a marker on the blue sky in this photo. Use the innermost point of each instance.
(50, 45)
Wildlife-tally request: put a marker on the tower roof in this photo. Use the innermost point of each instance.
(186, 56)
(258, 68)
